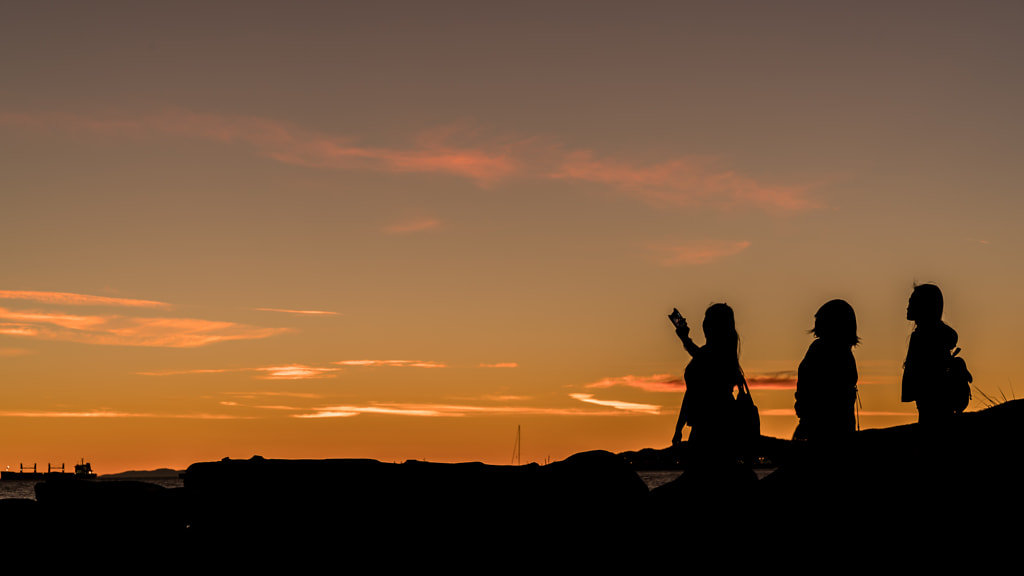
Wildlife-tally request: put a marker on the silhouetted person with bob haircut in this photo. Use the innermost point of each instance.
(826, 387)
(714, 370)
(928, 356)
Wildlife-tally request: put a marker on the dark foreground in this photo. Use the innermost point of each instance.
(902, 496)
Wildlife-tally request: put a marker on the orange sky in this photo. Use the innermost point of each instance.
(313, 230)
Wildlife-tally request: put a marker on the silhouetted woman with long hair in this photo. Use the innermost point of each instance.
(826, 387)
(712, 374)
(928, 356)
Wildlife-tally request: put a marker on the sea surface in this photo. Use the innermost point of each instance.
(27, 488)
(655, 478)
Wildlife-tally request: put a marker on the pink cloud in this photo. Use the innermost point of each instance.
(458, 411)
(687, 181)
(500, 365)
(199, 371)
(286, 143)
(696, 252)
(785, 380)
(655, 383)
(78, 299)
(392, 363)
(298, 312)
(690, 181)
(297, 372)
(110, 414)
(288, 372)
(114, 330)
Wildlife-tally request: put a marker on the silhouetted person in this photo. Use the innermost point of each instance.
(826, 387)
(928, 356)
(708, 404)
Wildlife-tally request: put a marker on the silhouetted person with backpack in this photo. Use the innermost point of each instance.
(826, 388)
(926, 369)
(708, 405)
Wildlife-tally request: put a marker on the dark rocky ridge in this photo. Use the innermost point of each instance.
(902, 490)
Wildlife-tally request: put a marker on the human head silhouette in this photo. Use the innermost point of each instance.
(720, 325)
(925, 304)
(835, 320)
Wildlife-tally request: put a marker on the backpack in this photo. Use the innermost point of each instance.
(958, 383)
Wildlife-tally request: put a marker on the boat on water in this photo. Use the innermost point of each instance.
(83, 471)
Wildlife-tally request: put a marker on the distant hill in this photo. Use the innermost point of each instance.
(143, 474)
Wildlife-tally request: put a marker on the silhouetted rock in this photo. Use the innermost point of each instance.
(922, 493)
(365, 504)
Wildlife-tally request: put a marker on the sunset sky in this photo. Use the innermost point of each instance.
(399, 230)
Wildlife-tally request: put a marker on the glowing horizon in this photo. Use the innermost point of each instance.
(327, 231)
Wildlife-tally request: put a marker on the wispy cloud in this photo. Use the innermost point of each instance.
(783, 380)
(297, 372)
(655, 383)
(684, 181)
(111, 414)
(467, 410)
(260, 394)
(288, 372)
(117, 329)
(703, 252)
(287, 143)
(506, 398)
(689, 181)
(392, 363)
(500, 365)
(299, 312)
(78, 299)
(618, 404)
(113, 330)
(410, 226)
(198, 371)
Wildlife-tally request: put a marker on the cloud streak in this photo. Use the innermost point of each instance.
(686, 181)
(618, 404)
(784, 380)
(392, 363)
(465, 410)
(117, 329)
(70, 298)
(655, 383)
(113, 330)
(689, 181)
(299, 312)
(111, 414)
(287, 372)
(694, 253)
(297, 372)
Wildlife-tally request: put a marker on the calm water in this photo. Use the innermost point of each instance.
(27, 488)
(655, 478)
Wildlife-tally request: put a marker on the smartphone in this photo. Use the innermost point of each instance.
(676, 318)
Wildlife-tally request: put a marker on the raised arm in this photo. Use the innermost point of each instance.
(683, 332)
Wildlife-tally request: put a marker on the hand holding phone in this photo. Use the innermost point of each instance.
(677, 319)
(682, 330)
